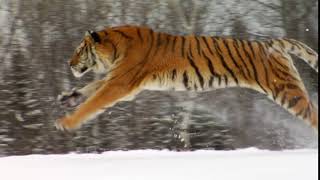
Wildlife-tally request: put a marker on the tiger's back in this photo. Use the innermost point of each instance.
(200, 63)
(140, 58)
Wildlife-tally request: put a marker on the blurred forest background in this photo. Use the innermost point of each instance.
(38, 36)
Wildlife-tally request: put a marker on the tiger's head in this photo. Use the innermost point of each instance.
(95, 52)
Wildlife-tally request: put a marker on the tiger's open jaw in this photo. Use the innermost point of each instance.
(81, 73)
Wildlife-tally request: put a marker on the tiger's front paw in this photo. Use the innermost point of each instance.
(70, 99)
(67, 124)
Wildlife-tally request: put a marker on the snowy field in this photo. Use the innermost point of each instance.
(247, 164)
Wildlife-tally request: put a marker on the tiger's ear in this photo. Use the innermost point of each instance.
(95, 36)
(88, 33)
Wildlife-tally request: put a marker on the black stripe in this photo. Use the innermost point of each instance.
(186, 80)
(207, 44)
(281, 43)
(276, 61)
(223, 61)
(174, 74)
(294, 101)
(300, 112)
(274, 71)
(139, 34)
(284, 97)
(154, 77)
(182, 46)
(252, 65)
(198, 45)
(123, 34)
(167, 43)
(278, 89)
(163, 43)
(195, 87)
(225, 79)
(190, 50)
(263, 64)
(174, 43)
(294, 43)
(310, 52)
(211, 69)
(236, 47)
(287, 75)
(115, 52)
(159, 42)
(292, 86)
(93, 55)
(197, 71)
(292, 48)
(306, 112)
(264, 58)
(210, 66)
(251, 49)
(262, 48)
(232, 57)
(270, 44)
(86, 49)
(210, 81)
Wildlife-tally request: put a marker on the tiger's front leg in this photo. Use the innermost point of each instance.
(76, 96)
(106, 96)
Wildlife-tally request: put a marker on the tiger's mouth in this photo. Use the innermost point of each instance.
(80, 73)
(83, 70)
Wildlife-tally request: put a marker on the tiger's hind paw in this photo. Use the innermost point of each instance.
(70, 99)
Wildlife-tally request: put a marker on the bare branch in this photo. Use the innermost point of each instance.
(269, 5)
(308, 8)
(194, 13)
(258, 34)
(176, 5)
(189, 25)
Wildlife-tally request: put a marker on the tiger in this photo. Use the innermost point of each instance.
(137, 58)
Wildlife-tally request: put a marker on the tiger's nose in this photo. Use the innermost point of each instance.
(72, 62)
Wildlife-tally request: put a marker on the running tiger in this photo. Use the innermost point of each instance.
(138, 58)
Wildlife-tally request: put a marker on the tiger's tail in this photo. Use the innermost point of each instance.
(300, 50)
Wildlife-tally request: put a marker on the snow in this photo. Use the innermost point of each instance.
(248, 164)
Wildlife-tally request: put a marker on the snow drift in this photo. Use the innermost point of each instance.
(248, 164)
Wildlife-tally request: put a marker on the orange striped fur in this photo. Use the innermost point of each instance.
(137, 58)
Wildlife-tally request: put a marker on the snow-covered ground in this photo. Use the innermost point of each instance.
(247, 164)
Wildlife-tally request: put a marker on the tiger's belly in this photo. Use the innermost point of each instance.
(174, 86)
(190, 84)
(156, 86)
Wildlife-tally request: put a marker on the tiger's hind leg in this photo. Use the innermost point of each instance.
(295, 99)
(282, 84)
(289, 91)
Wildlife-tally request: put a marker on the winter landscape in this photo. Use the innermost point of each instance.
(224, 134)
